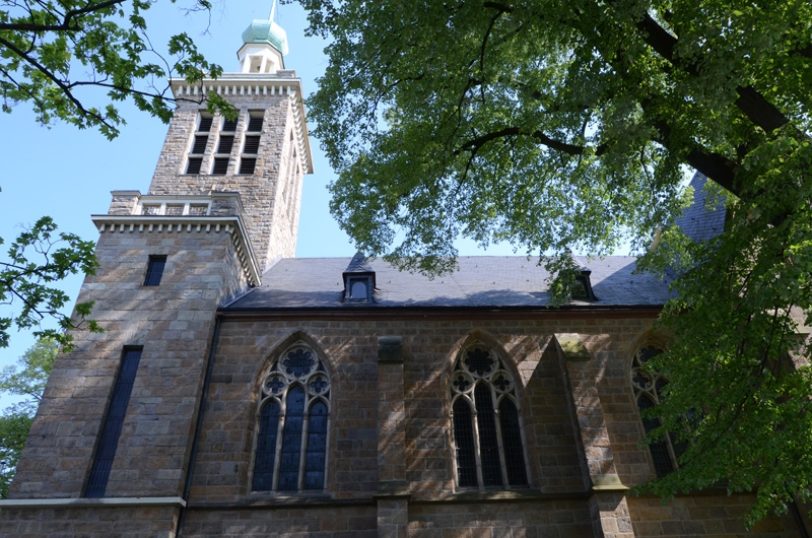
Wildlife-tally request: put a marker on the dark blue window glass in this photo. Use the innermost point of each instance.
(488, 444)
(316, 446)
(155, 270)
(512, 442)
(113, 420)
(291, 440)
(464, 439)
(266, 446)
(294, 459)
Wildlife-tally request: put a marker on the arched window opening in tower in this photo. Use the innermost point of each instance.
(486, 420)
(293, 420)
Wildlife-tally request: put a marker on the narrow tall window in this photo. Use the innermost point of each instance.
(224, 145)
(485, 417)
(648, 388)
(250, 149)
(199, 143)
(113, 421)
(291, 446)
(155, 270)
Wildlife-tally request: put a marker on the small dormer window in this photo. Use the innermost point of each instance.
(359, 281)
(582, 287)
(358, 288)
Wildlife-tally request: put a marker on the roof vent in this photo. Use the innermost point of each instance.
(582, 287)
(359, 280)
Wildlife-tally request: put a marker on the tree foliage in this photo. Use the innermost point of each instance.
(26, 381)
(75, 61)
(61, 55)
(560, 125)
(35, 263)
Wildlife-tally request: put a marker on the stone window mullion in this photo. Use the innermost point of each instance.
(482, 383)
(297, 380)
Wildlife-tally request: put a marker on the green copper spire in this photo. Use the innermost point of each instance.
(266, 32)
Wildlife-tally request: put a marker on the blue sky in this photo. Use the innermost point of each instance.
(68, 173)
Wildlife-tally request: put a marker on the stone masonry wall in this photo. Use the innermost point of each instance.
(288, 521)
(173, 322)
(559, 501)
(538, 519)
(271, 227)
(89, 522)
(704, 515)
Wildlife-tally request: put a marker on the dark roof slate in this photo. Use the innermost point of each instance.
(703, 219)
(480, 281)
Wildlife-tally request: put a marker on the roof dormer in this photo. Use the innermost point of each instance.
(359, 280)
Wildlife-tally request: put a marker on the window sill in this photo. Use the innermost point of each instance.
(274, 500)
(502, 495)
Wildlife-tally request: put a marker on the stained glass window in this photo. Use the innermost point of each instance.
(113, 422)
(291, 446)
(648, 387)
(487, 430)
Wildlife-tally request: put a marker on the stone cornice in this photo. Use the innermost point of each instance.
(282, 83)
(178, 224)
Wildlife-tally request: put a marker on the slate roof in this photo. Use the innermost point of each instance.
(480, 282)
(702, 220)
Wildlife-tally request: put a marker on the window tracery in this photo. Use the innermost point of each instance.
(291, 447)
(485, 418)
(648, 386)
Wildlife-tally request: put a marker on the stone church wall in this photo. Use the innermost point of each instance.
(575, 433)
(173, 323)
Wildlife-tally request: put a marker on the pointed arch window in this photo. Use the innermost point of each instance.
(293, 418)
(648, 387)
(485, 417)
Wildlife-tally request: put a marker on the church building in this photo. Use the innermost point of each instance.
(239, 391)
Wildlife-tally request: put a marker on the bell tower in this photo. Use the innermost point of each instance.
(261, 152)
(113, 436)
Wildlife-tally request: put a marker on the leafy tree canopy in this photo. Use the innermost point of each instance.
(75, 61)
(560, 125)
(58, 54)
(29, 275)
(26, 381)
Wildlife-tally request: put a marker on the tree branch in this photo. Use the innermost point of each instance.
(64, 87)
(565, 147)
(754, 105)
(65, 25)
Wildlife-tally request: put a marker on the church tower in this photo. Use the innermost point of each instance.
(113, 437)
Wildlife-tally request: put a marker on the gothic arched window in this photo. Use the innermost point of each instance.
(648, 388)
(485, 414)
(291, 447)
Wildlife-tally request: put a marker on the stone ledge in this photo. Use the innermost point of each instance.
(85, 502)
(187, 224)
(501, 496)
(608, 482)
(282, 502)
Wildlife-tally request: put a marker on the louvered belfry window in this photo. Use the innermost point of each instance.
(248, 160)
(485, 418)
(112, 424)
(648, 386)
(201, 139)
(224, 145)
(293, 419)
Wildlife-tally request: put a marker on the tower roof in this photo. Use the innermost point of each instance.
(266, 32)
